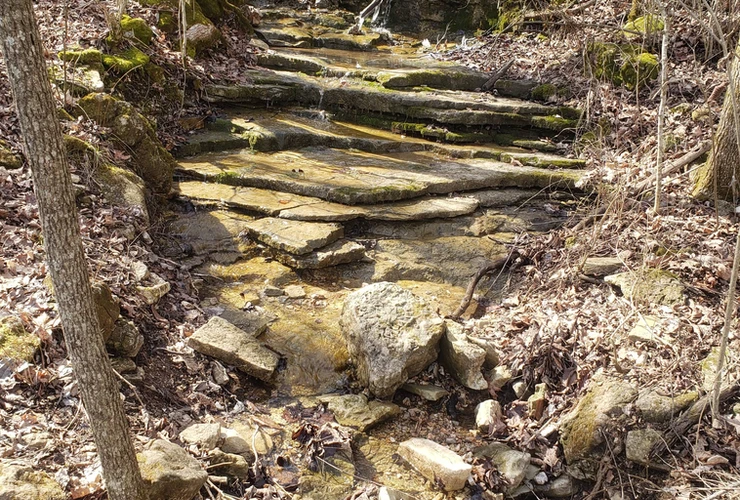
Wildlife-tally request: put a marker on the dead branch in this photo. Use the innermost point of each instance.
(488, 86)
(686, 159)
(557, 13)
(494, 266)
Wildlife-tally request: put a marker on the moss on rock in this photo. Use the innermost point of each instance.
(622, 64)
(639, 70)
(136, 28)
(645, 25)
(16, 343)
(8, 159)
(126, 61)
(81, 56)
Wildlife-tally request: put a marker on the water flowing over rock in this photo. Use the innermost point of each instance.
(354, 410)
(391, 335)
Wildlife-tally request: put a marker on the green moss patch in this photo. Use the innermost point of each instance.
(136, 28)
(15, 342)
(82, 56)
(126, 61)
(623, 64)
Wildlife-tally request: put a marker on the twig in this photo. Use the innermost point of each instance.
(499, 263)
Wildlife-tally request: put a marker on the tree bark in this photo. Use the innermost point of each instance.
(723, 167)
(45, 152)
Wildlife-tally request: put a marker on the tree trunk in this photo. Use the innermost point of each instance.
(45, 152)
(723, 167)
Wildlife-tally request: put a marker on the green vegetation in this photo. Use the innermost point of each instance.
(624, 64)
(126, 61)
(136, 28)
(82, 56)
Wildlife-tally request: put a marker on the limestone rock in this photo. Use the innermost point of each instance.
(8, 159)
(639, 444)
(205, 436)
(499, 377)
(601, 266)
(708, 367)
(487, 414)
(228, 464)
(391, 335)
(25, 482)
(224, 341)
(240, 437)
(295, 292)
(511, 464)
(295, 237)
(560, 487)
(202, 37)
(123, 365)
(122, 188)
(125, 339)
(152, 294)
(600, 407)
(428, 392)
(649, 286)
(536, 402)
(435, 462)
(107, 308)
(462, 358)
(354, 410)
(339, 252)
(492, 357)
(657, 408)
(644, 330)
(169, 472)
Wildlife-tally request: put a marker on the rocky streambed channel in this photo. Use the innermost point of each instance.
(332, 216)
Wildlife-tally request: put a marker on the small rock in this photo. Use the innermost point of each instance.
(228, 464)
(463, 359)
(125, 339)
(540, 478)
(657, 408)
(492, 357)
(219, 373)
(536, 402)
(170, 472)
(36, 440)
(499, 377)
(519, 388)
(243, 438)
(385, 493)
(354, 410)
(295, 292)
(650, 286)
(511, 464)
(152, 294)
(272, 291)
(205, 436)
(644, 330)
(561, 487)
(487, 415)
(435, 462)
(139, 270)
(639, 444)
(224, 341)
(708, 367)
(601, 266)
(26, 482)
(296, 237)
(428, 392)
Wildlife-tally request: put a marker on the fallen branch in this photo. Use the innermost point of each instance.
(488, 86)
(559, 13)
(495, 265)
(686, 159)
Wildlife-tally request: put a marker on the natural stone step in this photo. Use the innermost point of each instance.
(273, 131)
(390, 70)
(295, 237)
(339, 252)
(445, 107)
(353, 178)
(305, 208)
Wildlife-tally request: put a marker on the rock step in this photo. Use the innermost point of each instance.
(355, 177)
(390, 70)
(452, 108)
(267, 131)
(306, 208)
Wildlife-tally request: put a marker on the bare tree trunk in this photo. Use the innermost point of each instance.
(42, 137)
(723, 167)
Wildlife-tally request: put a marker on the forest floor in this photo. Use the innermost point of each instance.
(554, 327)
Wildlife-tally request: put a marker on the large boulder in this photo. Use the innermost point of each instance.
(391, 335)
(169, 472)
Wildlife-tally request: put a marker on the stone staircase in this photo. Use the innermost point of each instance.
(346, 162)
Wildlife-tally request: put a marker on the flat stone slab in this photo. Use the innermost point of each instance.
(435, 462)
(306, 208)
(295, 237)
(222, 340)
(355, 177)
(339, 252)
(354, 410)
